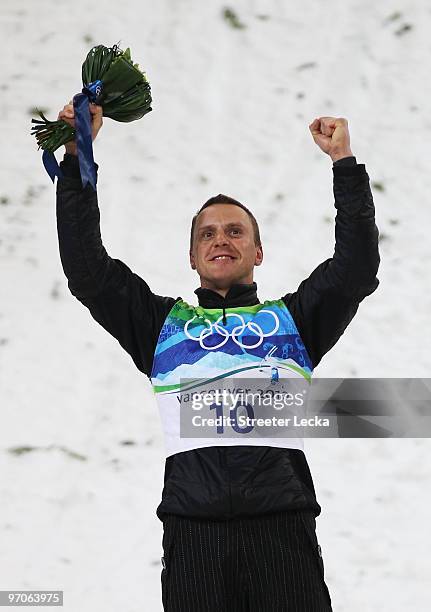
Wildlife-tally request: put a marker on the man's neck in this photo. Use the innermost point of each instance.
(223, 291)
(238, 294)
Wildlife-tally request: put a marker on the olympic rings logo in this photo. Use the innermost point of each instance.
(237, 331)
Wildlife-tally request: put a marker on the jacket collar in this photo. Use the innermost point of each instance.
(238, 295)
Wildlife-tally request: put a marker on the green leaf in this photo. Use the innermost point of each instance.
(126, 94)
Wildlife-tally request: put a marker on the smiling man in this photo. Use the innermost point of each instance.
(224, 244)
(238, 505)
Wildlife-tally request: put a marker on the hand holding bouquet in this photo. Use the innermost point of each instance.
(111, 82)
(68, 116)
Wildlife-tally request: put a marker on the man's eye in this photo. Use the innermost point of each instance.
(206, 234)
(235, 231)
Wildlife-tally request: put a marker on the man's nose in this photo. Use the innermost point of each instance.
(220, 238)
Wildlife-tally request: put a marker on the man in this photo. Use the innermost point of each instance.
(238, 514)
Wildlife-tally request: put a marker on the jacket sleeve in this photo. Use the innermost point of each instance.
(118, 299)
(326, 302)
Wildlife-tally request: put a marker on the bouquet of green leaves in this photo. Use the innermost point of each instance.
(110, 79)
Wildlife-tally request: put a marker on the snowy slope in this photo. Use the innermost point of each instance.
(231, 114)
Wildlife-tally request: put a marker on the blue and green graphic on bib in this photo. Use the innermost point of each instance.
(195, 343)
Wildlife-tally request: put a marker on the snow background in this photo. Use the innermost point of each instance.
(230, 114)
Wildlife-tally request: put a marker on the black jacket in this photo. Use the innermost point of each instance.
(224, 481)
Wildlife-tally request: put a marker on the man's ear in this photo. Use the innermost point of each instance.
(259, 256)
(192, 261)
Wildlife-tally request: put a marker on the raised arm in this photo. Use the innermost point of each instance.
(328, 299)
(118, 299)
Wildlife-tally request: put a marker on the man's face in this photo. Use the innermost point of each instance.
(224, 251)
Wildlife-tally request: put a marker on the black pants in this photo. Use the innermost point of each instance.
(257, 564)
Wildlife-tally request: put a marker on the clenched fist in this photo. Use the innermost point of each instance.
(332, 136)
(68, 115)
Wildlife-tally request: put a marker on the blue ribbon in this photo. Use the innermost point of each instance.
(51, 165)
(84, 142)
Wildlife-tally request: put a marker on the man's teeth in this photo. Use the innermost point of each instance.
(223, 257)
